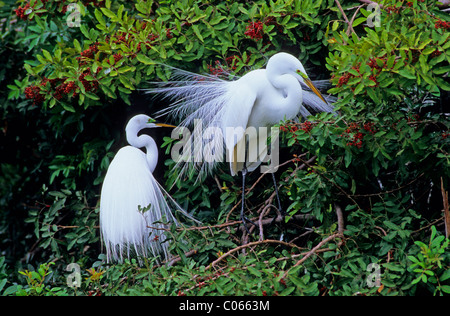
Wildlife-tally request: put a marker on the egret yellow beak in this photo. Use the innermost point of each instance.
(314, 89)
(151, 120)
(165, 125)
(309, 83)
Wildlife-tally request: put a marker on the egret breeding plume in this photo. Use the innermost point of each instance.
(133, 205)
(260, 98)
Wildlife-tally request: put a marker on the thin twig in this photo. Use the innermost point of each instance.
(263, 214)
(371, 2)
(313, 251)
(178, 258)
(218, 183)
(251, 244)
(349, 25)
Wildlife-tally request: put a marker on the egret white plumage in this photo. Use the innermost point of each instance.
(129, 185)
(260, 98)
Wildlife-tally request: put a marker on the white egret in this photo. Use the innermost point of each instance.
(129, 185)
(260, 98)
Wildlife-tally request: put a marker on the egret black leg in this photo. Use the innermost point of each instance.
(244, 218)
(282, 211)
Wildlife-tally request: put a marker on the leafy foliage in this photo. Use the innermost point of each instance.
(361, 187)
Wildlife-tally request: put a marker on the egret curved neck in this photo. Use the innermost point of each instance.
(150, 147)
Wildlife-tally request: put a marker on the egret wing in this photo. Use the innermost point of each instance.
(241, 100)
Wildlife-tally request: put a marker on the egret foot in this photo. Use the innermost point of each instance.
(246, 220)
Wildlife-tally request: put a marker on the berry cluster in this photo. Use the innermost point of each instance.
(231, 64)
(410, 3)
(34, 93)
(89, 85)
(397, 9)
(376, 64)
(64, 89)
(128, 38)
(391, 10)
(231, 61)
(88, 53)
(347, 76)
(255, 30)
(355, 133)
(20, 12)
(442, 25)
(306, 126)
(216, 70)
(61, 87)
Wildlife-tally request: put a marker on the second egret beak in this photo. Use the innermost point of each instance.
(151, 120)
(165, 125)
(309, 83)
(314, 89)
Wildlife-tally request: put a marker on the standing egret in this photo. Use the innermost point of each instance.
(260, 98)
(132, 203)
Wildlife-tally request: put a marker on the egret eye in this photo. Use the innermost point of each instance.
(151, 120)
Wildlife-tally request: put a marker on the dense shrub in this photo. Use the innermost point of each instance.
(363, 189)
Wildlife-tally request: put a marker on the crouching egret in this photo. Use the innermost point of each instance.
(260, 98)
(133, 205)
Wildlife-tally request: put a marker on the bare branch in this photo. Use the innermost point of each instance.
(313, 251)
(251, 244)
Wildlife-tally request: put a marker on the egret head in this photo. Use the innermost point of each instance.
(287, 64)
(139, 122)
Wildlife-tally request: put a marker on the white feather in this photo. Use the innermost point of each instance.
(128, 184)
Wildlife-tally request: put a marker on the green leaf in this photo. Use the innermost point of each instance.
(99, 17)
(254, 271)
(445, 288)
(197, 32)
(47, 55)
(348, 158)
(145, 60)
(126, 69)
(92, 96)
(407, 74)
(358, 21)
(108, 13)
(445, 275)
(359, 88)
(77, 45)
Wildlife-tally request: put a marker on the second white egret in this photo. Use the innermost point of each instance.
(133, 206)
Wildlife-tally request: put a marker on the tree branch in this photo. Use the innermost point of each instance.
(313, 251)
(251, 244)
